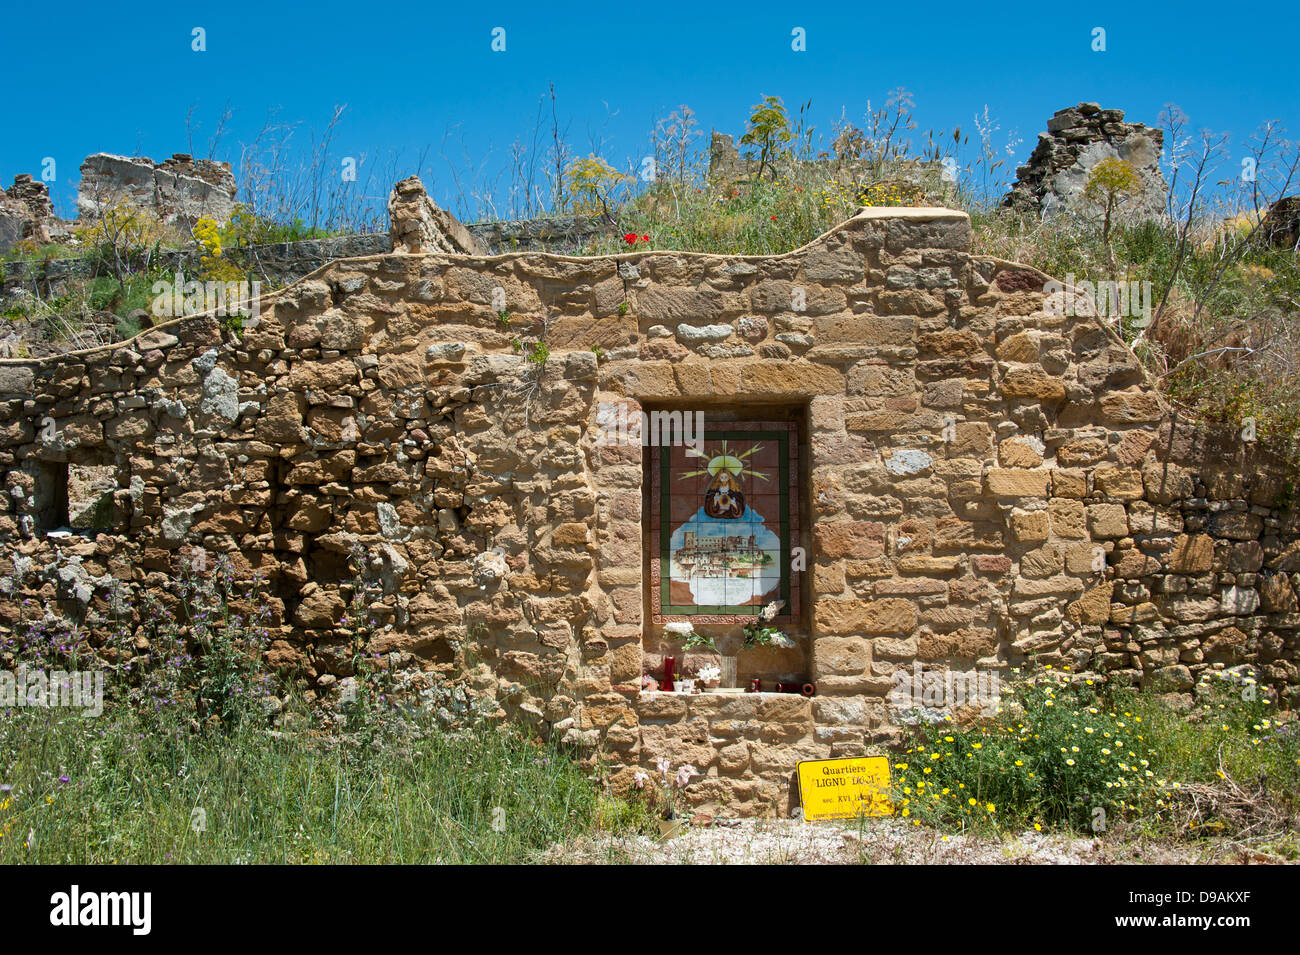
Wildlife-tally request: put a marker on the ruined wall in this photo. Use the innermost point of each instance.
(179, 189)
(26, 212)
(989, 482)
(1054, 177)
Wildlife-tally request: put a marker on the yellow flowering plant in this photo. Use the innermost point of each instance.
(1055, 751)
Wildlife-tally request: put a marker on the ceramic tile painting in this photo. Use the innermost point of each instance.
(724, 517)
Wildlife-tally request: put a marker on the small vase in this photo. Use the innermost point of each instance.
(727, 664)
(668, 828)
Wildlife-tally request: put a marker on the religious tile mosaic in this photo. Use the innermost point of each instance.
(724, 517)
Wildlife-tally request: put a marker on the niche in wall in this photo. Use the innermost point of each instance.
(725, 531)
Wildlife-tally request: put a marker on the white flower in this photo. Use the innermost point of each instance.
(710, 673)
(684, 775)
(663, 765)
(641, 778)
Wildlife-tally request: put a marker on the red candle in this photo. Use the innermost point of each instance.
(670, 663)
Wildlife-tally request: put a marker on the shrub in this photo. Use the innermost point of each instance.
(1062, 751)
(769, 131)
(1056, 754)
(593, 185)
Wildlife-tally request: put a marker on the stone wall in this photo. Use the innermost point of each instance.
(1077, 138)
(991, 482)
(26, 212)
(179, 189)
(282, 262)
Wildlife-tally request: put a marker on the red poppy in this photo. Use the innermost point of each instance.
(630, 238)
(773, 218)
(645, 238)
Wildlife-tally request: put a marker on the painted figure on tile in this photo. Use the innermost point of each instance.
(723, 499)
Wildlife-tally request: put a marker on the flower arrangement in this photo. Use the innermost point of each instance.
(758, 634)
(669, 784)
(688, 636)
(710, 675)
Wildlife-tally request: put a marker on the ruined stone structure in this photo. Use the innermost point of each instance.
(179, 189)
(26, 212)
(977, 480)
(1078, 138)
(416, 225)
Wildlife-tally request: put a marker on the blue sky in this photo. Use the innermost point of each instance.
(121, 78)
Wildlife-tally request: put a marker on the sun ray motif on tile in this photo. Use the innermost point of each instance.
(724, 528)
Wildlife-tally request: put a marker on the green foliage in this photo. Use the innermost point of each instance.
(698, 641)
(1055, 754)
(131, 796)
(1062, 752)
(535, 353)
(182, 766)
(1112, 179)
(593, 185)
(768, 130)
(245, 228)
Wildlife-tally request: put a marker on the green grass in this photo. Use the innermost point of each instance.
(186, 726)
(762, 217)
(113, 790)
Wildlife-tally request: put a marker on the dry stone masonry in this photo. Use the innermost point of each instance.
(179, 189)
(988, 482)
(26, 212)
(1078, 138)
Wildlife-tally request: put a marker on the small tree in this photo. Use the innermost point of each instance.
(1111, 182)
(125, 237)
(769, 130)
(592, 183)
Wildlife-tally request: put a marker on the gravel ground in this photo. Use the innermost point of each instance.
(880, 841)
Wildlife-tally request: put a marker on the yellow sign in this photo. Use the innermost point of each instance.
(845, 788)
